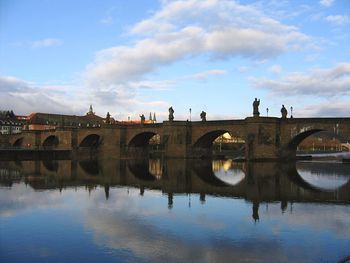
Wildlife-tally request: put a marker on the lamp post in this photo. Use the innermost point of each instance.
(267, 112)
(291, 112)
(190, 113)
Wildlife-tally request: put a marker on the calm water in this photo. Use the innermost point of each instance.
(174, 211)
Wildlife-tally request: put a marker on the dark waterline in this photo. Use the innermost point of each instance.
(174, 211)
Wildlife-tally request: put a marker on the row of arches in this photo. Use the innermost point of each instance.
(222, 141)
(216, 141)
(53, 141)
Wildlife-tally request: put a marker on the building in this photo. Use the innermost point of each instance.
(49, 121)
(12, 124)
(9, 124)
(10, 127)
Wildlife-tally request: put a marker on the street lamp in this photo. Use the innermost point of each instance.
(291, 112)
(267, 112)
(190, 113)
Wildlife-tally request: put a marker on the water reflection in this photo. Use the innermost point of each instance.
(254, 181)
(328, 176)
(229, 172)
(89, 166)
(155, 168)
(172, 210)
(142, 169)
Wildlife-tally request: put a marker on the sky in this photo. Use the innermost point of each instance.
(135, 57)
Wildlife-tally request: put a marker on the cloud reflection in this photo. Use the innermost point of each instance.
(22, 198)
(157, 235)
(151, 243)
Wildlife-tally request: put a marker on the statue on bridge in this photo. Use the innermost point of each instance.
(143, 118)
(91, 112)
(256, 104)
(171, 114)
(108, 118)
(284, 112)
(203, 116)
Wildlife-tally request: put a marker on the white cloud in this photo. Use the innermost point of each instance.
(24, 97)
(326, 3)
(206, 74)
(316, 82)
(338, 20)
(121, 64)
(12, 84)
(333, 108)
(186, 29)
(275, 69)
(47, 42)
(154, 85)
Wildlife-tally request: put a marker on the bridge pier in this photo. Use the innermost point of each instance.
(262, 139)
(111, 143)
(176, 139)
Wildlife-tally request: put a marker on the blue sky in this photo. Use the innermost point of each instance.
(134, 57)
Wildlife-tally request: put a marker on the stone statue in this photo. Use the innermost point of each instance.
(91, 112)
(108, 118)
(203, 116)
(171, 114)
(284, 112)
(256, 104)
(143, 118)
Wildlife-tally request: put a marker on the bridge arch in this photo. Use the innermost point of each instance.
(326, 137)
(206, 140)
(18, 142)
(296, 140)
(141, 139)
(91, 140)
(219, 142)
(51, 141)
(143, 144)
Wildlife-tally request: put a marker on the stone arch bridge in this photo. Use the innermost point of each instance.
(266, 138)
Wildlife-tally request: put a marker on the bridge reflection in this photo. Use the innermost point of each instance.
(255, 182)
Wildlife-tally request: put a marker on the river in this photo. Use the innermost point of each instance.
(174, 211)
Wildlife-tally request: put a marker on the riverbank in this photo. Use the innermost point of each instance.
(338, 156)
